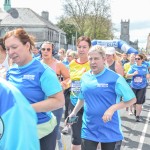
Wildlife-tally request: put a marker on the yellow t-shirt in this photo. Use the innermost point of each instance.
(126, 68)
(76, 71)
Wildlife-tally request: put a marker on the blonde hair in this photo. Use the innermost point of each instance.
(74, 54)
(99, 49)
(63, 50)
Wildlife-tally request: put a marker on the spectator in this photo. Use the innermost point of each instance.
(37, 82)
(99, 94)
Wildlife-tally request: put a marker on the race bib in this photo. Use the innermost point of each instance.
(75, 86)
(138, 79)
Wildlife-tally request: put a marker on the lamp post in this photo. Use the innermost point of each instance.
(59, 39)
(73, 38)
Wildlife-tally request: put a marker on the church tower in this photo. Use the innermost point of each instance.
(7, 5)
(125, 31)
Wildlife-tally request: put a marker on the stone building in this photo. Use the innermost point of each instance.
(125, 34)
(34, 24)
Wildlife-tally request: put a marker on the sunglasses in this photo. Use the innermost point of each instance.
(137, 58)
(43, 49)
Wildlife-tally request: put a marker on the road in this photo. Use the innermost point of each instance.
(136, 134)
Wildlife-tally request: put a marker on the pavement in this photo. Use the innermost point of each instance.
(136, 134)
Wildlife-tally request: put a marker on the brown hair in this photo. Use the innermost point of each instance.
(2, 44)
(140, 55)
(22, 35)
(84, 38)
(50, 43)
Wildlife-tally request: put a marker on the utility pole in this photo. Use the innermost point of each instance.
(59, 39)
(73, 38)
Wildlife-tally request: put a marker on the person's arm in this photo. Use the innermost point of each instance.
(65, 74)
(53, 102)
(50, 85)
(110, 111)
(78, 106)
(121, 89)
(129, 75)
(119, 68)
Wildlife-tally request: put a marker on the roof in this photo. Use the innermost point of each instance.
(2, 14)
(25, 16)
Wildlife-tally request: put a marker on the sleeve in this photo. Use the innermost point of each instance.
(80, 96)
(124, 90)
(130, 71)
(19, 122)
(50, 83)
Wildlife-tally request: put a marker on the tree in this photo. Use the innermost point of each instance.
(77, 10)
(90, 17)
(100, 19)
(70, 29)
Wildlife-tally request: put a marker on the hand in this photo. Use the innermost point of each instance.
(135, 73)
(108, 115)
(64, 85)
(71, 115)
(3, 72)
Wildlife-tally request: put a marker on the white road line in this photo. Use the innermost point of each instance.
(144, 132)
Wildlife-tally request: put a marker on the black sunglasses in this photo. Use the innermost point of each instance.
(137, 58)
(43, 49)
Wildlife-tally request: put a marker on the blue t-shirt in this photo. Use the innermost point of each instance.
(146, 63)
(36, 81)
(66, 63)
(18, 120)
(138, 81)
(99, 92)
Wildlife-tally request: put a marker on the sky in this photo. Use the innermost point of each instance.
(137, 11)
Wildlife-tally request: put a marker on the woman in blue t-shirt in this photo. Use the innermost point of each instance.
(101, 89)
(139, 74)
(37, 82)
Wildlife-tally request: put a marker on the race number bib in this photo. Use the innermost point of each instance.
(138, 79)
(75, 87)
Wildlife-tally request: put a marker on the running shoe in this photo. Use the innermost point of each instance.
(65, 130)
(138, 119)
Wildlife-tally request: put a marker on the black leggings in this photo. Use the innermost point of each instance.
(76, 127)
(92, 145)
(67, 102)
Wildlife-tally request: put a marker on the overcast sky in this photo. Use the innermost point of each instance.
(137, 11)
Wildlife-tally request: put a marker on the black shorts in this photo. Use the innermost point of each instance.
(140, 95)
(76, 127)
(92, 145)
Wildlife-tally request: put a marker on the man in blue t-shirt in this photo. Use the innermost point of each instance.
(18, 121)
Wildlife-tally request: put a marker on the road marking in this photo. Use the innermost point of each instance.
(144, 132)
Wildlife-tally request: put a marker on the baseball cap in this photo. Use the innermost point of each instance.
(110, 50)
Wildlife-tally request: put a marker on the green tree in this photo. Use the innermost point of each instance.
(69, 28)
(90, 17)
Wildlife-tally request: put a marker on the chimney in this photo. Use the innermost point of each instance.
(45, 15)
